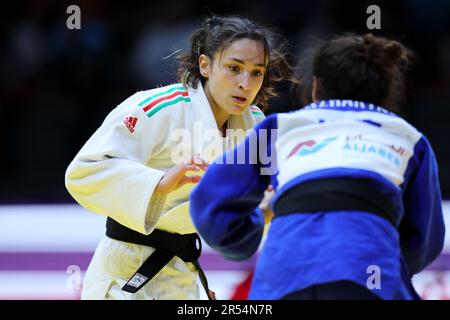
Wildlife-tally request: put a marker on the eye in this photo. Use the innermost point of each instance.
(233, 68)
(258, 74)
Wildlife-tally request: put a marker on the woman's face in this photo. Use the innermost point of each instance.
(235, 75)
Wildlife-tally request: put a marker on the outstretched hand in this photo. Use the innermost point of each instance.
(176, 177)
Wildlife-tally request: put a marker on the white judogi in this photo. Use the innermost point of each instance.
(118, 169)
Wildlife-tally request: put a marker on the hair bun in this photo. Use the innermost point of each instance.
(384, 53)
(394, 52)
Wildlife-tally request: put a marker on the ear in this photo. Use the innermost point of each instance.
(315, 89)
(204, 65)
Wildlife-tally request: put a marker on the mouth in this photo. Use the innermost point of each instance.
(239, 100)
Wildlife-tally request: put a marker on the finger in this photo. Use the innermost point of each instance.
(180, 170)
(191, 167)
(190, 179)
(195, 167)
(183, 168)
(199, 161)
(203, 166)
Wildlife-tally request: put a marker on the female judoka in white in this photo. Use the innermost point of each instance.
(131, 169)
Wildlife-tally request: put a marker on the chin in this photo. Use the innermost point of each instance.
(237, 110)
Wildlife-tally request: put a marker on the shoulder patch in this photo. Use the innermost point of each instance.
(256, 111)
(165, 98)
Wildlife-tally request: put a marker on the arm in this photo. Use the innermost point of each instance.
(422, 228)
(110, 174)
(224, 205)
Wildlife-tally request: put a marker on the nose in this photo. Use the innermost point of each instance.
(245, 81)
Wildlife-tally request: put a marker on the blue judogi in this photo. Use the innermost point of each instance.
(334, 139)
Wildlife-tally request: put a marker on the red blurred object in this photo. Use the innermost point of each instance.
(242, 290)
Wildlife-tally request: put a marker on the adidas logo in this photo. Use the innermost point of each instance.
(130, 122)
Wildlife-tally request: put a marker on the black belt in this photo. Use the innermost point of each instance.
(167, 245)
(335, 195)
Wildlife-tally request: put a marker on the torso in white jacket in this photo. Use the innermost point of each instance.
(117, 170)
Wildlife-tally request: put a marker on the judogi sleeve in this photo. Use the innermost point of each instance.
(224, 204)
(422, 228)
(110, 176)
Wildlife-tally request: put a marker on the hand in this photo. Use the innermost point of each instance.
(265, 204)
(176, 177)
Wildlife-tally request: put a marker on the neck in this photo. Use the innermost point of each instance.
(221, 117)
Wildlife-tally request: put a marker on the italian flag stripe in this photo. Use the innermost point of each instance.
(169, 97)
(166, 104)
(256, 111)
(179, 88)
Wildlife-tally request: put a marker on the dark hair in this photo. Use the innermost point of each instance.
(366, 68)
(219, 32)
(302, 90)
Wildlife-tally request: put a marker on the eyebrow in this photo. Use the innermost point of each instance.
(242, 62)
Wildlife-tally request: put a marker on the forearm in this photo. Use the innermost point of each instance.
(118, 188)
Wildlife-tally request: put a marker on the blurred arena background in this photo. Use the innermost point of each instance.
(57, 85)
(45, 250)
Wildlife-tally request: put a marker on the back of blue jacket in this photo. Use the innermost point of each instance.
(326, 140)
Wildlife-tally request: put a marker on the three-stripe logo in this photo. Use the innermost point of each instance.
(130, 122)
(156, 102)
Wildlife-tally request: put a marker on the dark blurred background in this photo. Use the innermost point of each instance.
(57, 85)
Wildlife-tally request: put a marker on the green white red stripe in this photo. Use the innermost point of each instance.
(256, 111)
(159, 101)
